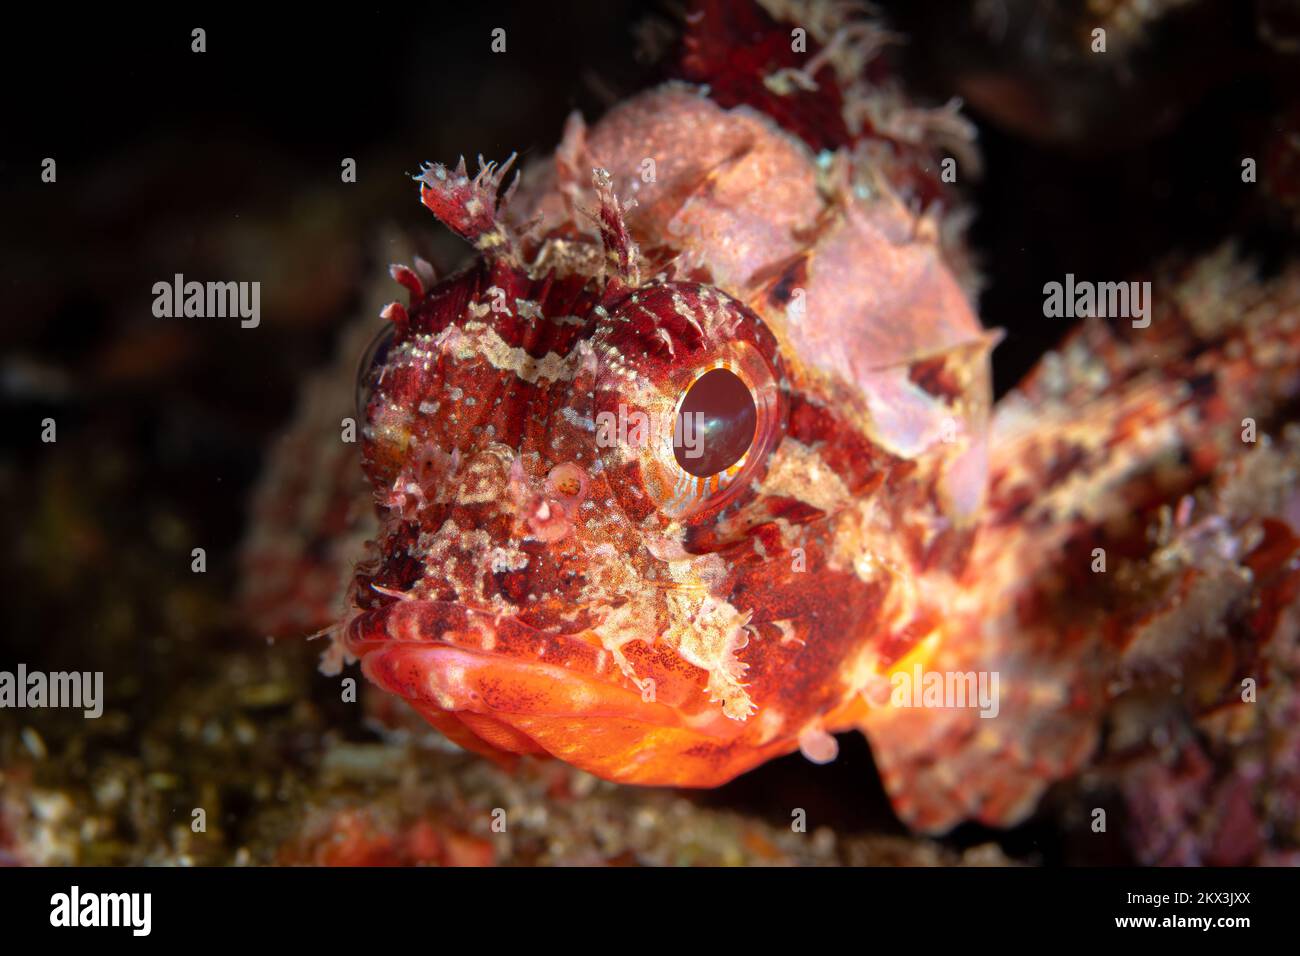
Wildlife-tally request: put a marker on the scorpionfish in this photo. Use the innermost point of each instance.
(695, 464)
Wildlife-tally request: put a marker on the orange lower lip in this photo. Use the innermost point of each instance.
(459, 679)
(505, 700)
(417, 650)
(493, 704)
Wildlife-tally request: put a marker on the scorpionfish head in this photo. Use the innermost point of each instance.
(663, 529)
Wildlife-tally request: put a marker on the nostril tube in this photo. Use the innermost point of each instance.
(568, 482)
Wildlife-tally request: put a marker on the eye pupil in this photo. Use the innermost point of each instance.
(715, 423)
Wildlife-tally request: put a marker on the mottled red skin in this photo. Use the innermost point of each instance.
(733, 46)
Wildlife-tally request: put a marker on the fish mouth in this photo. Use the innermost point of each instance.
(486, 682)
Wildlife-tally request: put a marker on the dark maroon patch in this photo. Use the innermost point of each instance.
(731, 47)
(934, 378)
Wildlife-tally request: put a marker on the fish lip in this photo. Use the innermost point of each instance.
(403, 625)
(402, 654)
(457, 680)
(496, 703)
(371, 627)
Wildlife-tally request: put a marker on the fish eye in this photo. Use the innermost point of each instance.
(688, 402)
(726, 422)
(373, 358)
(715, 423)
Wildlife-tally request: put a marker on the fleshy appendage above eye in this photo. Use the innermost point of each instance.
(688, 403)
